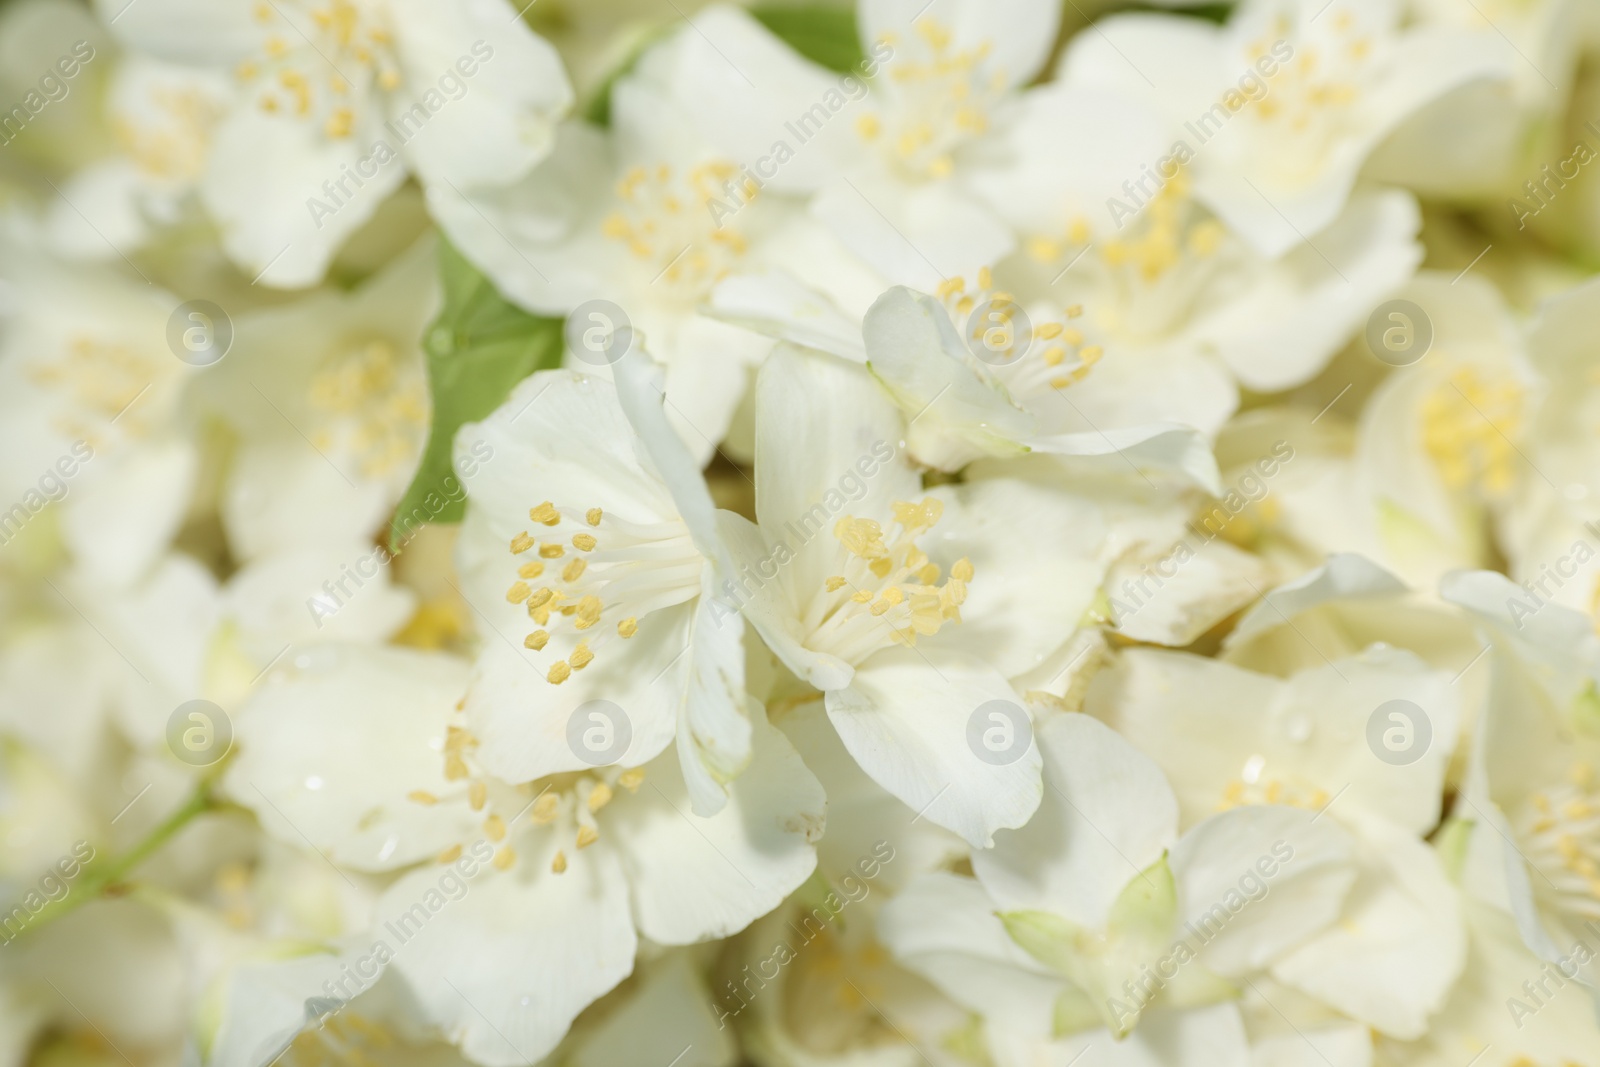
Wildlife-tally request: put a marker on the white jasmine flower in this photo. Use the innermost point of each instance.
(649, 215)
(162, 118)
(1097, 913)
(328, 396)
(1532, 793)
(1436, 453)
(1172, 288)
(842, 592)
(508, 936)
(1236, 738)
(1281, 106)
(354, 94)
(94, 414)
(590, 554)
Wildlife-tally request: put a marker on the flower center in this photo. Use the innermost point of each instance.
(942, 97)
(889, 592)
(1151, 274)
(587, 568)
(678, 227)
(1559, 830)
(565, 803)
(1255, 786)
(99, 380)
(1313, 99)
(373, 405)
(311, 52)
(173, 144)
(1468, 422)
(1047, 355)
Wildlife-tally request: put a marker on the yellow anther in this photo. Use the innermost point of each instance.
(628, 627)
(421, 796)
(962, 571)
(545, 513)
(631, 779)
(536, 640)
(504, 858)
(518, 592)
(477, 795)
(592, 516)
(559, 864)
(559, 672)
(573, 570)
(835, 583)
(531, 569)
(552, 551)
(600, 796)
(868, 126)
(546, 808)
(540, 597)
(495, 827)
(521, 543)
(583, 542)
(450, 855)
(581, 657)
(587, 835)
(588, 612)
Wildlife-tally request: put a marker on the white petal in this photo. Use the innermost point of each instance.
(944, 927)
(1402, 945)
(505, 966)
(260, 169)
(1257, 881)
(390, 706)
(699, 878)
(1107, 815)
(499, 120)
(906, 722)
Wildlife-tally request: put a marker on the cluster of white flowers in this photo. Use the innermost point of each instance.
(645, 533)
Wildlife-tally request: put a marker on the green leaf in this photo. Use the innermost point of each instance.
(823, 33)
(478, 349)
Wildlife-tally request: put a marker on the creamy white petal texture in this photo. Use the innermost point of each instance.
(905, 718)
(695, 879)
(625, 559)
(506, 967)
(1107, 814)
(297, 736)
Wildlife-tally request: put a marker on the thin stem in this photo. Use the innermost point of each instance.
(98, 879)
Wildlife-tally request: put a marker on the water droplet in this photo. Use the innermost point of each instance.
(1252, 769)
(314, 782)
(1299, 729)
